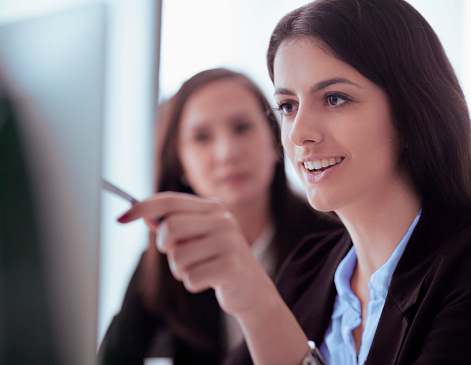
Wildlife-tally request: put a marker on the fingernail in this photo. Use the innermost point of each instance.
(124, 217)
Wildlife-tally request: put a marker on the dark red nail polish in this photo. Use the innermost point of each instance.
(124, 217)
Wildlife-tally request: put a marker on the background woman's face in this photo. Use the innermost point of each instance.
(336, 128)
(225, 144)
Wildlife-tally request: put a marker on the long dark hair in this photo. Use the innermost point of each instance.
(162, 294)
(392, 45)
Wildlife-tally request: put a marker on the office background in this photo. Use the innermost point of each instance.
(152, 48)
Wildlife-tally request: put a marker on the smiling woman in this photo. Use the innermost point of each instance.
(352, 81)
(364, 84)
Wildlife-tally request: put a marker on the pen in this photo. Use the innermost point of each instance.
(114, 189)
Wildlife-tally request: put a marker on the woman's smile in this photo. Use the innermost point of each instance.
(319, 165)
(318, 170)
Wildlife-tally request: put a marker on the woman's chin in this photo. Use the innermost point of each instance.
(320, 203)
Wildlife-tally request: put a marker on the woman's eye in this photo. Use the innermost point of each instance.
(286, 108)
(336, 100)
(201, 137)
(242, 127)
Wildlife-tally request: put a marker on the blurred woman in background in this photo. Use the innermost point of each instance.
(217, 138)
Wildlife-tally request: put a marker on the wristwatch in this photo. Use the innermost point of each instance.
(313, 357)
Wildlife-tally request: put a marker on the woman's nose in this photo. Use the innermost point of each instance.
(305, 129)
(226, 148)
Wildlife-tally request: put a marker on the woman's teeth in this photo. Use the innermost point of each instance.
(320, 165)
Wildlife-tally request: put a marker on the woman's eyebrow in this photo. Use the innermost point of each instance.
(336, 80)
(318, 86)
(283, 91)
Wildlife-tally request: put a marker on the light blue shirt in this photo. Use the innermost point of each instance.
(339, 347)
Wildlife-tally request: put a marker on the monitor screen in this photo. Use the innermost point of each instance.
(52, 80)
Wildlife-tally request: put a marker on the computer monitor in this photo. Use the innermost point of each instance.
(52, 80)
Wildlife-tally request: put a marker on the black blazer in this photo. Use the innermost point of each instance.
(427, 314)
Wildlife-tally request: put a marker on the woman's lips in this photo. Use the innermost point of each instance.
(318, 170)
(234, 178)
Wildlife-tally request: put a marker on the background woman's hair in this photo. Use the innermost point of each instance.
(392, 45)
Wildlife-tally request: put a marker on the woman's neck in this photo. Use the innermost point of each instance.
(253, 217)
(377, 226)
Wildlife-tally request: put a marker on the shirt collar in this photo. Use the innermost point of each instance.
(263, 250)
(260, 245)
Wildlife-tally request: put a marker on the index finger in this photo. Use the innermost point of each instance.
(163, 204)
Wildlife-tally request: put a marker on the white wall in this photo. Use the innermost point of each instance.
(451, 22)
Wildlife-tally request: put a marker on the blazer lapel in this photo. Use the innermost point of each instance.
(394, 325)
(409, 285)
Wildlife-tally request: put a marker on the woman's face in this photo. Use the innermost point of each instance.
(336, 128)
(225, 144)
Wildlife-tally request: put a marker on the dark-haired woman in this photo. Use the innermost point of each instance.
(376, 125)
(217, 137)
